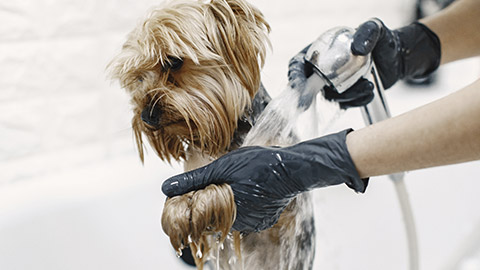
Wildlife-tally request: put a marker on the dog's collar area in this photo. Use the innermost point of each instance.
(259, 102)
(246, 122)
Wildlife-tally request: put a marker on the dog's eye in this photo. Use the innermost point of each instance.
(173, 64)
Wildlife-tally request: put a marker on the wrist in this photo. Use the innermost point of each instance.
(420, 50)
(326, 161)
(355, 149)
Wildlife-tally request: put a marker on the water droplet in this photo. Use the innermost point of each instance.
(199, 254)
(179, 253)
(217, 259)
(218, 237)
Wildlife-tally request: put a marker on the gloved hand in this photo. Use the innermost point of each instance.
(412, 51)
(265, 179)
(360, 94)
(409, 52)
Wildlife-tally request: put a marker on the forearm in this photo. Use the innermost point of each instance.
(444, 132)
(457, 27)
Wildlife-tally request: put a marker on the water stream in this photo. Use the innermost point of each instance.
(294, 115)
(290, 117)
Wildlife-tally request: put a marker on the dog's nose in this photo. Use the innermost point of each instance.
(151, 116)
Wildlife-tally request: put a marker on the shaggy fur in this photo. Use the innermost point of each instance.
(222, 45)
(192, 69)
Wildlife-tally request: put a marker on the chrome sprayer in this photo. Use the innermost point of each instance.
(336, 66)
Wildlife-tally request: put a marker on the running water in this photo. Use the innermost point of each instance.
(293, 116)
(289, 118)
(222, 253)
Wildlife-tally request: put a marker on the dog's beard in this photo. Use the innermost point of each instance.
(196, 111)
(222, 45)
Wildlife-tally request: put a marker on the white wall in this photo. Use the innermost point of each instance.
(73, 194)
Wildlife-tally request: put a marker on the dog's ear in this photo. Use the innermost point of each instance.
(242, 36)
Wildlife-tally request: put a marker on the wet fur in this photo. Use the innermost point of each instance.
(204, 109)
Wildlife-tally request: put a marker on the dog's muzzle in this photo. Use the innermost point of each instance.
(151, 115)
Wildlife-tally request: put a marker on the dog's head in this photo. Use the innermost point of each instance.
(191, 69)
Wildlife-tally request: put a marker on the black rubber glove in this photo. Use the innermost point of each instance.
(412, 51)
(265, 179)
(409, 52)
(360, 94)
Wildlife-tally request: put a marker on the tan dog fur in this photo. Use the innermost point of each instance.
(223, 45)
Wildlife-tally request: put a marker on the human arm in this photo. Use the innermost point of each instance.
(265, 179)
(457, 26)
(443, 132)
(450, 124)
(413, 51)
(416, 50)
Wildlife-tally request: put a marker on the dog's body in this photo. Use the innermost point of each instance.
(192, 69)
(290, 244)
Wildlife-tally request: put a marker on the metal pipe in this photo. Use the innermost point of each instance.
(336, 66)
(377, 110)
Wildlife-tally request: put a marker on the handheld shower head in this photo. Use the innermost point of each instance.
(335, 65)
(331, 57)
(333, 61)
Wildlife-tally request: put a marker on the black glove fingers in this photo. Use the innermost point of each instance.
(296, 67)
(186, 182)
(366, 37)
(331, 94)
(362, 89)
(297, 63)
(364, 100)
(223, 170)
(298, 70)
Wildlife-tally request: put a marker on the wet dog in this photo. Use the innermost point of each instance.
(192, 69)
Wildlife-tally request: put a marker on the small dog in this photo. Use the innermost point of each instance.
(192, 69)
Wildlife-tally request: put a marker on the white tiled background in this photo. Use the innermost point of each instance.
(73, 194)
